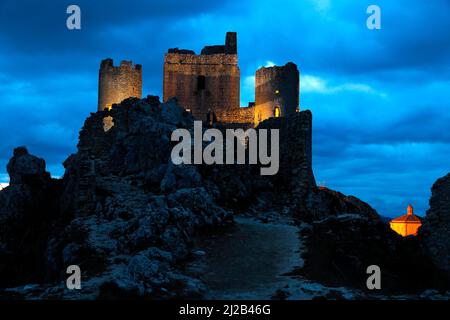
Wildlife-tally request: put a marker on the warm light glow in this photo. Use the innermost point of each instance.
(277, 91)
(406, 225)
(108, 107)
(277, 112)
(108, 123)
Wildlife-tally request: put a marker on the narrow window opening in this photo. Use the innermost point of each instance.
(277, 112)
(201, 83)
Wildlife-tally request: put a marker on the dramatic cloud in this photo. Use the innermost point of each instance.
(319, 85)
(379, 98)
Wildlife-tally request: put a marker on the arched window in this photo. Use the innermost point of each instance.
(277, 112)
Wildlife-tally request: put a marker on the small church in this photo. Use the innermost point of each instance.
(407, 224)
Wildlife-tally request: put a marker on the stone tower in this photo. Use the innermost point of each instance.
(204, 83)
(277, 91)
(118, 83)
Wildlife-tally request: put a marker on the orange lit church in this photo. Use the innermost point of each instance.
(407, 224)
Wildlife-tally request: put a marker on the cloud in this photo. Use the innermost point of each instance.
(310, 83)
(321, 5)
(4, 180)
(386, 176)
(247, 89)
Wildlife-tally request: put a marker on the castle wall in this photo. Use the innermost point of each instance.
(276, 87)
(209, 81)
(240, 115)
(295, 173)
(118, 83)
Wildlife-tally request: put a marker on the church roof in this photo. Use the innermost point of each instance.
(410, 217)
(407, 218)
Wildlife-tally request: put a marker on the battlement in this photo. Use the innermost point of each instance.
(229, 48)
(180, 51)
(276, 71)
(178, 58)
(117, 83)
(210, 55)
(125, 65)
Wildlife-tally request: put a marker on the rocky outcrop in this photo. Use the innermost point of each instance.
(325, 202)
(345, 235)
(436, 226)
(128, 217)
(124, 214)
(24, 167)
(26, 206)
(132, 209)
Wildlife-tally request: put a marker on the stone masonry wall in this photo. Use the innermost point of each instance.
(295, 174)
(243, 115)
(276, 86)
(206, 82)
(118, 83)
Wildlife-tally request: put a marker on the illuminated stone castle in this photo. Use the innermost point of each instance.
(117, 83)
(207, 85)
(407, 224)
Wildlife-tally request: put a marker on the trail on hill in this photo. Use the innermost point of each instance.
(248, 260)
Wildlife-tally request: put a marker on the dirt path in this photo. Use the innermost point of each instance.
(248, 261)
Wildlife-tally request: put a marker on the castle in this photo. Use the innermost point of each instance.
(118, 83)
(208, 85)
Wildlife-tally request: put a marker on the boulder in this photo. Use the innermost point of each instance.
(27, 207)
(24, 167)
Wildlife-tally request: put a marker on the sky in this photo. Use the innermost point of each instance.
(379, 98)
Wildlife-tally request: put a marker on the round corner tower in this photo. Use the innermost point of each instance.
(118, 83)
(277, 91)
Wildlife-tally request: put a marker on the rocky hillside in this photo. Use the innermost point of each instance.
(121, 212)
(128, 217)
(436, 227)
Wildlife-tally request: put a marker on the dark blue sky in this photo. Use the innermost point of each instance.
(380, 98)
